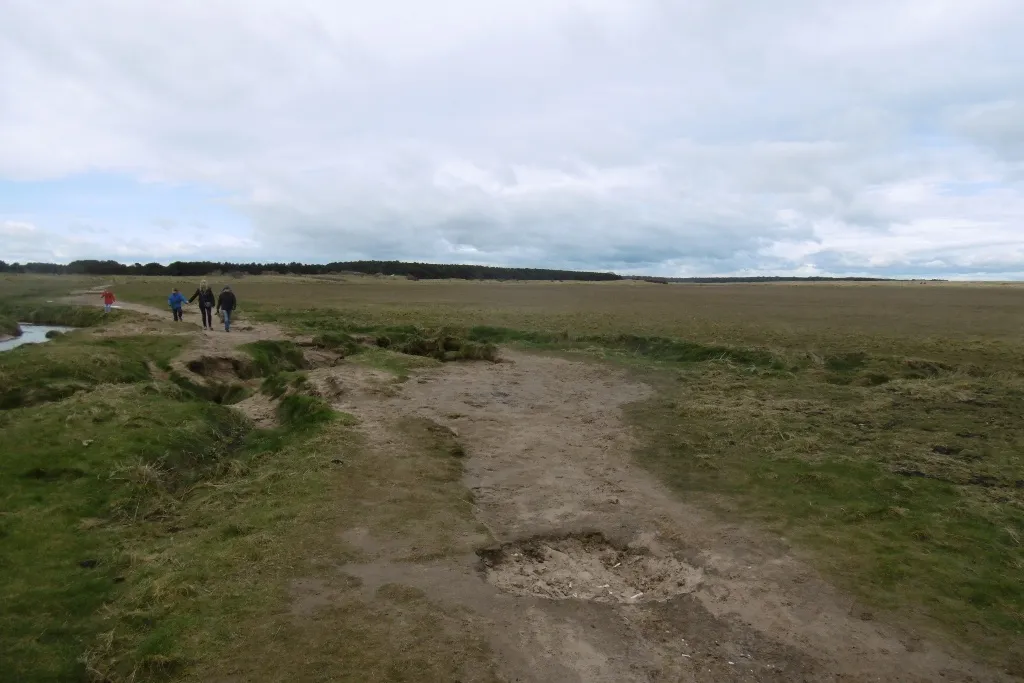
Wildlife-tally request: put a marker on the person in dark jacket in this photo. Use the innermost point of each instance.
(207, 300)
(226, 303)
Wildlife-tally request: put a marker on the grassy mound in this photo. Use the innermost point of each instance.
(273, 356)
(37, 373)
(442, 345)
(9, 327)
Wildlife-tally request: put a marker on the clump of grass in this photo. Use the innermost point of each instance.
(272, 356)
(846, 362)
(9, 327)
(300, 410)
(683, 351)
(223, 393)
(340, 342)
(505, 335)
(280, 383)
(442, 345)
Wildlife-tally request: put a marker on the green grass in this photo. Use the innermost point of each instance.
(273, 356)
(9, 326)
(55, 314)
(77, 479)
(340, 342)
(36, 373)
(300, 410)
(910, 493)
(398, 364)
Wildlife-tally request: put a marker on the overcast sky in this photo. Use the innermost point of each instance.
(678, 137)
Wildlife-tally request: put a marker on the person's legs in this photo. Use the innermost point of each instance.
(106, 308)
(227, 320)
(177, 315)
(207, 316)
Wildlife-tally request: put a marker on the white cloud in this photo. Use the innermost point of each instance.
(642, 135)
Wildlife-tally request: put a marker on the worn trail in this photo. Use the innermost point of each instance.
(601, 574)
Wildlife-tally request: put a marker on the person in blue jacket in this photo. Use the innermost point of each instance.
(176, 301)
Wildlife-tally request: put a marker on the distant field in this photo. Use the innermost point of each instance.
(879, 426)
(913, 318)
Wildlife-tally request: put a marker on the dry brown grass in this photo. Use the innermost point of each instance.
(984, 321)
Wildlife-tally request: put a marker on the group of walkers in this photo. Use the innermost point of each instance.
(225, 303)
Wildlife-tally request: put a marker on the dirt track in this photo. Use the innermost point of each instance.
(595, 571)
(690, 599)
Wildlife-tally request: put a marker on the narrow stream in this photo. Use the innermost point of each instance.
(32, 334)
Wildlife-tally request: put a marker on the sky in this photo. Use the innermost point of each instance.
(669, 137)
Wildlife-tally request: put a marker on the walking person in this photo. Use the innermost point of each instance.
(176, 300)
(226, 303)
(207, 300)
(108, 300)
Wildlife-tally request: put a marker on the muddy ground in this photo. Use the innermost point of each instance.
(591, 570)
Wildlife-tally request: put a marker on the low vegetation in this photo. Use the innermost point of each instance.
(149, 532)
(875, 427)
(888, 452)
(50, 314)
(37, 373)
(9, 327)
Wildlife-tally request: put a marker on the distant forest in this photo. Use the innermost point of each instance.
(421, 271)
(418, 271)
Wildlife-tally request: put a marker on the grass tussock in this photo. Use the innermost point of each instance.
(273, 356)
(9, 327)
(220, 392)
(443, 345)
(339, 342)
(301, 410)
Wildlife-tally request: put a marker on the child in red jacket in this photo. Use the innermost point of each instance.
(108, 300)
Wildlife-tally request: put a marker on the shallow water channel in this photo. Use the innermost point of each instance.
(32, 334)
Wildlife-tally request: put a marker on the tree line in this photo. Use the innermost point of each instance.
(421, 271)
(418, 271)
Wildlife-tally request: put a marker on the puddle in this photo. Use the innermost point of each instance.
(589, 568)
(32, 334)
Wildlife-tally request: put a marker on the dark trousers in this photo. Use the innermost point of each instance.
(207, 312)
(177, 314)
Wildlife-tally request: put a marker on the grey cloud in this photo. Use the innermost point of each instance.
(690, 135)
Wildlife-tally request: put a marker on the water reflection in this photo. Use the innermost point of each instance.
(32, 334)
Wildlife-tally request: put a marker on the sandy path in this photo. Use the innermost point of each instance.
(549, 456)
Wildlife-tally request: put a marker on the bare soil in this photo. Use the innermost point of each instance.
(597, 572)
